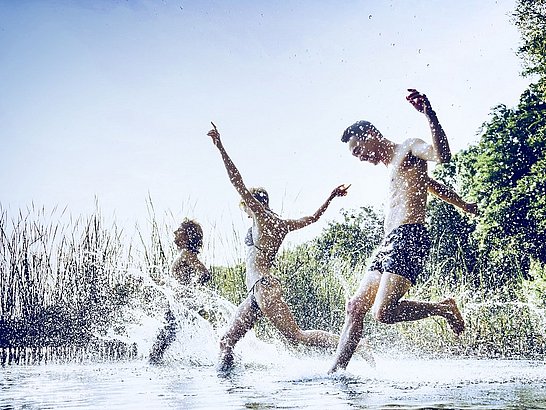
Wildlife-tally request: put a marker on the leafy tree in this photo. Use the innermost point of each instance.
(530, 18)
(352, 240)
(506, 171)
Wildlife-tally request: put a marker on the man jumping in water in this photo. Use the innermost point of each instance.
(401, 256)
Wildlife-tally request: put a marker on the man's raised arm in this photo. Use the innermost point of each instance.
(439, 138)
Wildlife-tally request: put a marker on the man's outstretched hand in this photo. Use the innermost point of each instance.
(419, 101)
(471, 208)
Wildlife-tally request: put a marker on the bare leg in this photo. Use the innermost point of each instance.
(166, 336)
(247, 314)
(269, 297)
(357, 308)
(389, 308)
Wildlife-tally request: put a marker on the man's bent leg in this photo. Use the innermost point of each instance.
(388, 307)
(357, 308)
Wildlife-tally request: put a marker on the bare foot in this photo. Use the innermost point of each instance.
(453, 316)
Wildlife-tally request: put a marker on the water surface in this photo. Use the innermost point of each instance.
(282, 381)
(266, 374)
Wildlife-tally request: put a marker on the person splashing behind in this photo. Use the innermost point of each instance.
(264, 290)
(188, 270)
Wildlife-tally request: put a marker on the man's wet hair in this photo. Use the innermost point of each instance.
(359, 129)
(194, 235)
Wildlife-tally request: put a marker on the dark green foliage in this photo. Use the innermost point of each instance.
(229, 282)
(353, 239)
(453, 249)
(505, 171)
(311, 288)
(318, 276)
(530, 18)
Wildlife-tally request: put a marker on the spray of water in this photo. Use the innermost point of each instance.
(201, 316)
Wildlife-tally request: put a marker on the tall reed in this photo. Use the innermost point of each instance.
(57, 278)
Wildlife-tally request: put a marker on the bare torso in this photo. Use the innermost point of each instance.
(268, 233)
(188, 269)
(407, 189)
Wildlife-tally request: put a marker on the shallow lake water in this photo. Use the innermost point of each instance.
(289, 383)
(266, 374)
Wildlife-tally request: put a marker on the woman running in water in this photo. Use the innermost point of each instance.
(264, 239)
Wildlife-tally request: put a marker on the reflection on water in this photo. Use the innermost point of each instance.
(292, 382)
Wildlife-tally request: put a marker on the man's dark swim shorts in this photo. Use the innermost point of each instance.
(403, 251)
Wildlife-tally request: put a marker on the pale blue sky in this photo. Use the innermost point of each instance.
(113, 99)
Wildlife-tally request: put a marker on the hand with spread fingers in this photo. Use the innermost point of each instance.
(419, 101)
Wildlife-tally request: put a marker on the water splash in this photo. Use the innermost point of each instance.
(201, 317)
